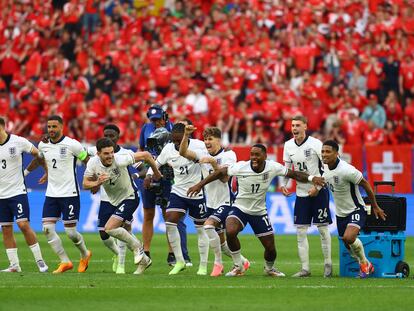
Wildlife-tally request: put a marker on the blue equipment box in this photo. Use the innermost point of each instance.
(385, 250)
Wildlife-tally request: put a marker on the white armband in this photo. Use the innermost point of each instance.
(310, 177)
(26, 172)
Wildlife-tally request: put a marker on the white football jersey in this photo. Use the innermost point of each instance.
(61, 160)
(343, 182)
(305, 157)
(251, 198)
(218, 192)
(11, 167)
(119, 186)
(92, 152)
(186, 173)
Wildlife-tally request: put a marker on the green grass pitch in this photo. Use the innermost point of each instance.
(99, 289)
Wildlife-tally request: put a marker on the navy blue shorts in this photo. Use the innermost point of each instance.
(357, 218)
(106, 210)
(197, 209)
(153, 197)
(314, 210)
(260, 224)
(126, 209)
(14, 207)
(67, 207)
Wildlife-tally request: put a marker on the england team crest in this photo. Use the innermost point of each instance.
(336, 179)
(265, 176)
(307, 153)
(219, 161)
(63, 152)
(12, 151)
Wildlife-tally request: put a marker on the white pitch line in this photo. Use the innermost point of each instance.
(207, 287)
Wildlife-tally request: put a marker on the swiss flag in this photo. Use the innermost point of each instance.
(390, 163)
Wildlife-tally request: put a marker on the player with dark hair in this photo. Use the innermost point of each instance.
(303, 153)
(60, 154)
(14, 203)
(343, 180)
(186, 173)
(109, 170)
(106, 209)
(158, 193)
(254, 178)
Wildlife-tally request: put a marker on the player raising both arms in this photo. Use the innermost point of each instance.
(217, 193)
(254, 178)
(343, 180)
(303, 153)
(186, 173)
(109, 170)
(13, 198)
(62, 193)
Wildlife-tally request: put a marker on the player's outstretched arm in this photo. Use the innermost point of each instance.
(304, 177)
(147, 157)
(378, 212)
(184, 151)
(194, 190)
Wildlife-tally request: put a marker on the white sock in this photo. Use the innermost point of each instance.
(225, 249)
(202, 245)
(303, 246)
(269, 265)
(78, 240)
(55, 242)
(237, 259)
(214, 241)
(37, 254)
(12, 255)
(122, 253)
(175, 240)
(111, 245)
(326, 244)
(123, 235)
(358, 248)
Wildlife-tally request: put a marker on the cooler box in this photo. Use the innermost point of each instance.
(385, 250)
(384, 241)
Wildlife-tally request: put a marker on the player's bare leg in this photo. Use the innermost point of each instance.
(79, 242)
(233, 227)
(31, 241)
(268, 242)
(172, 218)
(356, 248)
(11, 249)
(49, 229)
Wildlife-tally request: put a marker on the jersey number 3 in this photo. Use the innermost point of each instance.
(3, 164)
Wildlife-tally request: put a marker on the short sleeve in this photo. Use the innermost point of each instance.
(25, 145)
(318, 149)
(353, 175)
(123, 160)
(278, 169)
(89, 171)
(163, 157)
(92, 151)
(199, 149)
(286, 156)
(235, 169)
(229, 158)
(76, 148)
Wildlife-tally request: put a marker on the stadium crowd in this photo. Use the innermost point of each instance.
(246, 66)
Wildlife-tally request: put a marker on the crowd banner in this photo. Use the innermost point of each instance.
(280, 209)
(353, 155)
(390, 163)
